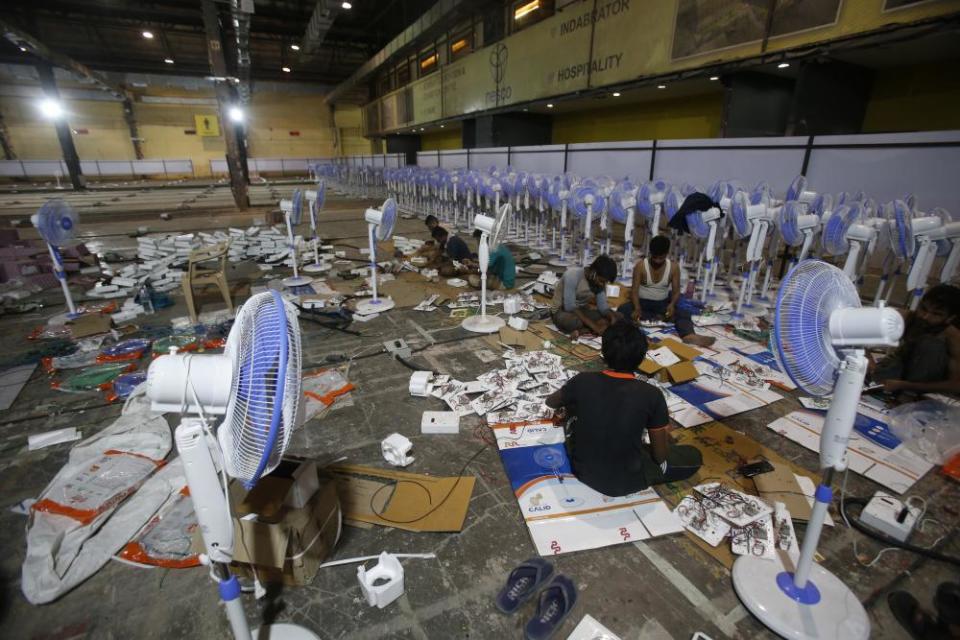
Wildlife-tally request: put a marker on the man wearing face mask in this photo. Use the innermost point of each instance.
(580, 300)
(928, 358)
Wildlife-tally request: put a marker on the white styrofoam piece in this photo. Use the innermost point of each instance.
(395, 448)
(590, 629)
(518, 323)
(420, 383)
(50, 438)
(443, 422)
(388, 568)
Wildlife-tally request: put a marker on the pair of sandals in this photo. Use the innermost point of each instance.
(920, 624)
(558, 595)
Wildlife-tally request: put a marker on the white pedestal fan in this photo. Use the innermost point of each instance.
(586, 201)
(798, 228)
(379, 229)
(292, 213)
(315, 200)
(820, 333)
(255, 386)
(923, 229)
(56, 221)
(491, 235)
(703, 225)
(751, 221)
(558, 198)
(623, 207)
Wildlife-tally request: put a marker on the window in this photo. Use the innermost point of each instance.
(524, 13)
(461, 44)
(428, 62)
(403, 73)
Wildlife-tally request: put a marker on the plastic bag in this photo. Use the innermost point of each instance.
(166, 540)
(928, 427)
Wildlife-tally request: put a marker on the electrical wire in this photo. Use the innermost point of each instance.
(891, 543)
(438, 505)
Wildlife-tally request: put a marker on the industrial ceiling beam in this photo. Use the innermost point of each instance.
(26, 41)
(232, 133)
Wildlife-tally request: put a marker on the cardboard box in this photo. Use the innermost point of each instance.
(285, 544)
(683, 371)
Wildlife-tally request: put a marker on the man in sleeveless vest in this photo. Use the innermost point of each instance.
(656, 290)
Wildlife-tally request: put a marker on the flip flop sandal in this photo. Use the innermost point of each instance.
(522, 583)
(556, 602)
(908, 613)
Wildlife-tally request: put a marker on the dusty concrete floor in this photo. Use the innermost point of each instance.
(664, 588)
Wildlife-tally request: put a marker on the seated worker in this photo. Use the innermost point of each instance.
(609, 411)
(928, 358)
(453, 248)
(576, 290)
(656, 290)
(501, 268)
(431, 222)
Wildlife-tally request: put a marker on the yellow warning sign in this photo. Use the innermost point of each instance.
(207, 125)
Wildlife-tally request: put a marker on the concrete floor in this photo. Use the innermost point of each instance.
(664, 588)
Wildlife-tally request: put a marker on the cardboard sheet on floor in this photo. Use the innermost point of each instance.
(562, 344)
(12, 381)
(89, 324)
(720, 399)
(724, 450)
(873, 451)
(563, 514)
(400, 498)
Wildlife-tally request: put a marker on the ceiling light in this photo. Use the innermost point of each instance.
(441, 126)
(24, 49)
(549, 105)
(51, 109)
(346, 5)
(783, 65)
(148, 35)
(285, 69)
(421, 128)
(616, 94)
(661, 86)
(295, 47)
(236, 114)
(714, 78)
(168, 60)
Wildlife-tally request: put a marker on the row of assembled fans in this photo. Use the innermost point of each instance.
(851, 227)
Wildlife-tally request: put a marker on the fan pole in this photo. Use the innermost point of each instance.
(61, 274)
(371, 233)
(628, 244)
(587, 231)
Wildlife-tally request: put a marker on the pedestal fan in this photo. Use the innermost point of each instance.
(843, 234)
(491, 234)
(379, 229)
(920, 228)
(586, 202)
(798, 228)
(557, 197)
(56, 221)
(650, 203)
(315, 200)
(622, 207)
(820, 333)
(255, 386)
(947, 238)
(751, 220)
(703, 225)
(292, 213)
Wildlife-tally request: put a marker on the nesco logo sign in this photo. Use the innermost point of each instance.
(498, 69)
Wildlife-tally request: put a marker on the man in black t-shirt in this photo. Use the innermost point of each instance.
(609, 411)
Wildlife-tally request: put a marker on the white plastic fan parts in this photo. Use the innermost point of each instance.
(380, 227)
(753, 220)
(623, 206)
(315, 199)
(798, 228)
(844, 233)
(820, 333)
(925, 229)
(56, 221)
(703, 225)
(292, 212)
(557, 198)
(587, 202)
(491, 234)
(949, 236)
(255, 386)
(650, 203)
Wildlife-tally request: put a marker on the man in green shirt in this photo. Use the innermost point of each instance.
(501, 268)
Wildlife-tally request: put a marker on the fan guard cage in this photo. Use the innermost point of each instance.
(263, 411)
(809, 293)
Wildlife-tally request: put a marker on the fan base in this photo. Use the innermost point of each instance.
(284, 631)
(561, 262)
(369, 306)
(483, 324)
(755, 310)
(297, 281)
(316, 268)
(838, 614)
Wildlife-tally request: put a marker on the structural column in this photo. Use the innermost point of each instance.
(132, 126)
(70, 157)
(226, 97)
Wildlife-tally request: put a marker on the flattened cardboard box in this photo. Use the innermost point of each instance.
(292, 543)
